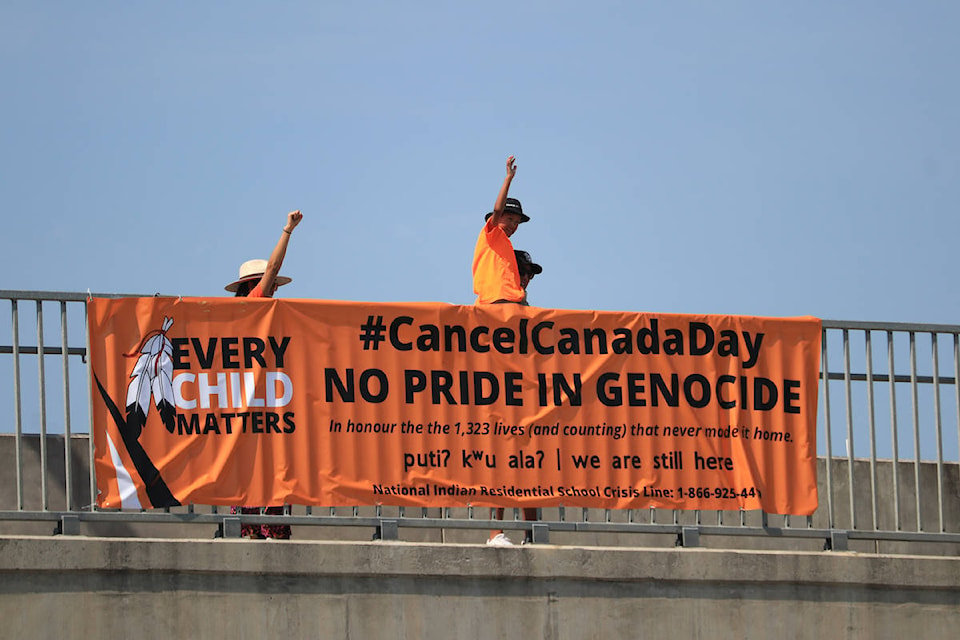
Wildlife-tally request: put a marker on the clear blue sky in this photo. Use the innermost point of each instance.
(778, 159)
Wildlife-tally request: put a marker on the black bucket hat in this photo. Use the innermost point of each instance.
(524, 260)
(512, 205)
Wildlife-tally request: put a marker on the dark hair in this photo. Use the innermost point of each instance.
(243, 289)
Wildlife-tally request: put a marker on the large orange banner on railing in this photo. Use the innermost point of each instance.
(258, 402)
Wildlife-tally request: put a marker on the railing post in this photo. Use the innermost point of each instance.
(230, 527)
(17, 409)
(389, 530)
(68, 525)
(67, 431)
(540, 533)
(42, 392)
(838, 541)
(689, 537)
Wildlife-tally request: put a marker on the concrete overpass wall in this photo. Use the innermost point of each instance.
(121, 579)
(77, 587)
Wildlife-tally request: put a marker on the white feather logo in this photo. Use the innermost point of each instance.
(152, 376)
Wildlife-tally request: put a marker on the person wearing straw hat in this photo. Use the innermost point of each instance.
(260, 279)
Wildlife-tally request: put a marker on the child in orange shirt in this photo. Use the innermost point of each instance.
(501, 274)
(496, 277)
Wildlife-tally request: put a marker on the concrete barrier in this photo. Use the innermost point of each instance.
(123, 579)
(76, 587)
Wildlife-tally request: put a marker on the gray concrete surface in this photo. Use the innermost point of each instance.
(76, 587)
(139, 580)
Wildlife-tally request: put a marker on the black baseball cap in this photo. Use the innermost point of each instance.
(512, 205)
(524, 259)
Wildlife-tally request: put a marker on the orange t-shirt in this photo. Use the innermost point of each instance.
(495, 272)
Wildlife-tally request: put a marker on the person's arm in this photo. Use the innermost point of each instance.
(279, 252)
(504, 191)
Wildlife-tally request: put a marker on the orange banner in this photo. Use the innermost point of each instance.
(259, 402)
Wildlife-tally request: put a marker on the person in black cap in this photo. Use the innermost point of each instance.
(496, 277)
(527, 268)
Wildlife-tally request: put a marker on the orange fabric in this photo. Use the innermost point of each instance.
(262, 530)
(424, 404)
(495, 272)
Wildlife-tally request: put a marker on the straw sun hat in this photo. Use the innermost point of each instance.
(252, 270)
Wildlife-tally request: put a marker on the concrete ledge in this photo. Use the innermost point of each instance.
(421, 560)
(76, 587)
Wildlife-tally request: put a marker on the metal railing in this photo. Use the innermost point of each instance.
(897, 478)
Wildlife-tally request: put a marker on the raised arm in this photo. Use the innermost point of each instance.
(279, 252)
(504, 190)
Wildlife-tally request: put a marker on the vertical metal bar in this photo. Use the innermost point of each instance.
(824, 366)
(894, 439)
(67, 458)
(956, 385)
(939, 428)
(850, 447)
(17, 409)
(873, 431)
(43, 409)
(92, 475)
(916, 426)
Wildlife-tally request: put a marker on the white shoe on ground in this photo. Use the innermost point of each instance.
(500, 540)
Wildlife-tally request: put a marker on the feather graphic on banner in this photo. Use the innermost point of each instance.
(157, 490)
(152, 375)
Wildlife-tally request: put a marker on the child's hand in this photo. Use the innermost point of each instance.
(511, 166)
